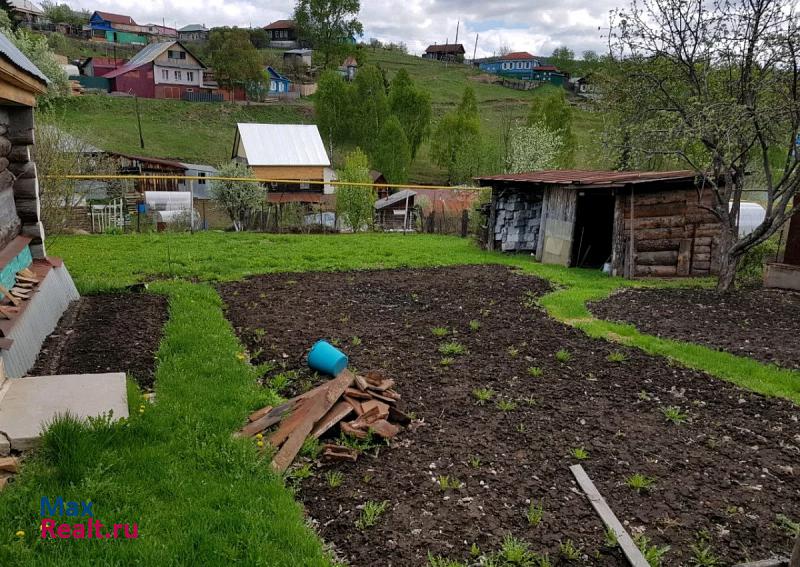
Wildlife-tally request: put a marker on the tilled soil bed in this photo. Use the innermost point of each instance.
(117, 332)
(723, 476)
(763, 324)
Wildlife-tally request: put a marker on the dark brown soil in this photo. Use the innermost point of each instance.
(763, 324)
(107, 333)
(726, 473)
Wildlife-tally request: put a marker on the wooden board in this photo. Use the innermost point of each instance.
(258, 414)
(635, 557)
(4, 291)
(264, 422)
(9, 464)
(336, 414)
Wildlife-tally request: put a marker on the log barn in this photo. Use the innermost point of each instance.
(639, 223)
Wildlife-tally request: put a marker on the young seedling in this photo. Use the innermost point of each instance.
(475, 551)
(610, 539)
(652, 553)
(452, 348)
(530, 401)
(447, 361)
(644, 396)
(334, 479)
(513, 351)
(482, 395)
(640, 482)
(448, 483)
(617, 356)
(521, 428)
(535, 513)
(535, 372)
(355, 341)
(675, 415)
(475, 462)
(563, 356)
(579, 453)
(370, 514)
(474, 325)
(439, 561)
(785, 523)
(440, 332)
(569, 551)
(703, 556)
(506, 405)
(311, 448)
(514, 551)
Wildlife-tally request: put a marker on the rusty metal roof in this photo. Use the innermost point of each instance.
(588, 178)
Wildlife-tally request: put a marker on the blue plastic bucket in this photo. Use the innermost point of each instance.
(326, 358)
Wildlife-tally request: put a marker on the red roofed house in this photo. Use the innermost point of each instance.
(282, 34)
(445, 52)
(523, 65)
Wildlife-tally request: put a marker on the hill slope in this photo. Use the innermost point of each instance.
(198, 132)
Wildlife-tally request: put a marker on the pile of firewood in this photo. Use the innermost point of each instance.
(25, 284)
(369, 398)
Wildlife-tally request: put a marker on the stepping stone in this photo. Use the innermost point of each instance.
(26, 404)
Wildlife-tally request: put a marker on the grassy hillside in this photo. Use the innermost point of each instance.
(204, 132)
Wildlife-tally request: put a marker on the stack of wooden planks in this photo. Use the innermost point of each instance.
(25, 284)
(369, 398)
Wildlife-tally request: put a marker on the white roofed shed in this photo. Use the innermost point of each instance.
(270, 145)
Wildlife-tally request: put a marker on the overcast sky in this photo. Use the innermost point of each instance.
(522, 25)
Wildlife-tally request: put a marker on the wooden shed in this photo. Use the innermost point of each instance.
(640, 223)
(785, 274)
(396, 211)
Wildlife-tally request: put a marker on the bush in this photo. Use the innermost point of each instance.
(750, 271)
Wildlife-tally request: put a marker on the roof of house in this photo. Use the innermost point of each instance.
(25, 6)
(302, 51)
(394, 198)
(164, 30)
(193, 28)
(588, 178)
(13, 55)
(516, 55)
(200, 167)
(155, 161)
(273, 74)
(116, 18)
(445, 48)
(280, 25)
(281, 144)
(546, 68)
(349, 62)
(145, 56)
(68, 143)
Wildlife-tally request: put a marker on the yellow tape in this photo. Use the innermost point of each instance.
(260, 180)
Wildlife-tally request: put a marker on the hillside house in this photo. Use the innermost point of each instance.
(278, 84)
(291, 152)
(25, 12)
(297, 58)
(524, 66)
(99, 66)
(161, 70)
(115, 28)
(349, 68)
(282, 34)
(639, 223)
(445, 52)
(159, 33)
(396, 211)
(193, 32)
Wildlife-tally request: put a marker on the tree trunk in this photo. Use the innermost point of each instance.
(727, 261)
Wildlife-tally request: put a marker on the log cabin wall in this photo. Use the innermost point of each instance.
(673, 235)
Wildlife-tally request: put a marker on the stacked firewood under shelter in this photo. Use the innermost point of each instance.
(359, 405)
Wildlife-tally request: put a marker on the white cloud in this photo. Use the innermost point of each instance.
(537, 27)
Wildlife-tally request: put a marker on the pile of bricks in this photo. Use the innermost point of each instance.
(359, 405)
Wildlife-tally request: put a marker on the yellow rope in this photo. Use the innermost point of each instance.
(259, 180)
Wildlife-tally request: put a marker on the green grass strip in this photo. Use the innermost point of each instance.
(199, 496)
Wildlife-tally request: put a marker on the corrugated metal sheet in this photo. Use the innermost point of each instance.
(145, 56)
(18, 59)
(590, 178)
(392, 199)
(38, 320)
(282, 144)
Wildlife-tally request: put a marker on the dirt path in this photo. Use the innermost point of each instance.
(725, 474)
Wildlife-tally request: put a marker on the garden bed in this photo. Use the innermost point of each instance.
(762, 324)
(118, 332)
(722, 477)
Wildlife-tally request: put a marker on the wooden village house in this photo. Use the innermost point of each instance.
(785, 274)
(639, 223)
(445, 52)
(396, 211)
(282, 34)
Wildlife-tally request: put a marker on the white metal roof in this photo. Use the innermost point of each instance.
(280, 144)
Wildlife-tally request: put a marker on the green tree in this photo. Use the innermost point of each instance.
(333, 107)
(551, 111)
(563, 58)
(456, 143)
(370, 104)
(392, 155)
(239, 198)
(233, 57)
(412, 106)
(355, 204)
(328, 25)
(532, 148)
(64, 14)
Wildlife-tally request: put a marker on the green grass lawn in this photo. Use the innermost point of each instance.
(199, 496)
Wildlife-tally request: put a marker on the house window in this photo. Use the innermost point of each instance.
(178, 76)
(165, 74)
(176, 54)
(190, 76)
(201, 181)
(272, 86)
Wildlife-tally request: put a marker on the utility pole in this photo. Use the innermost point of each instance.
(458, 25)
(475, 50)
(139, 120)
